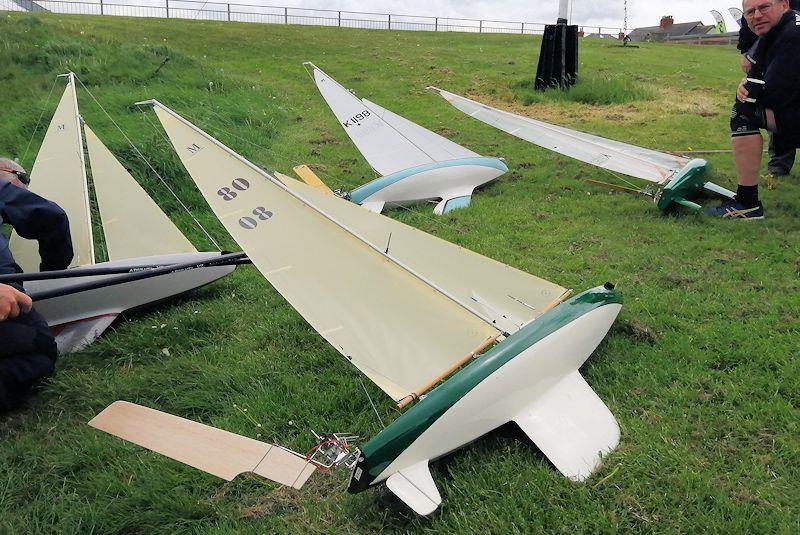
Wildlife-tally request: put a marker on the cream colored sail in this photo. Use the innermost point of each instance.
(133, 224)
(59, 175)
(507, 296)
(393, 326)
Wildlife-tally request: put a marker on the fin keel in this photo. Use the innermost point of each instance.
(416, 488)
(572, 426)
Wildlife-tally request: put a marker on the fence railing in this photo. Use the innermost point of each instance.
(729, 38)
(232, 12)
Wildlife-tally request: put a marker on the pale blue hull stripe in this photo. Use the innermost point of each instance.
(361, 193)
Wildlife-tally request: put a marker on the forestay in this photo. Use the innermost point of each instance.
(388, 142)
(608, 154)
(59, 175)
(133, 224)
(352, 284)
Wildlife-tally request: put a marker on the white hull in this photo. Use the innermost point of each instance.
(445, 183)
(542, 391)
(79, 318)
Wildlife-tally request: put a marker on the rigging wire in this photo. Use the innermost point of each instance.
(621, 179)
(150, 166)
(39, 121)
(380, 420)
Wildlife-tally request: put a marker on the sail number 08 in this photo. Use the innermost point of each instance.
(228, 194)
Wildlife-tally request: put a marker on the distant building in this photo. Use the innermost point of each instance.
(668, 28)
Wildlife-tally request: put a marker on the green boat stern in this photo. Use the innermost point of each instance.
(686, 182)
(389, 444)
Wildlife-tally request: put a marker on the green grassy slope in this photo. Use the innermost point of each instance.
(701, 369)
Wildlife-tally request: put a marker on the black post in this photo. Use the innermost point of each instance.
(558, 57)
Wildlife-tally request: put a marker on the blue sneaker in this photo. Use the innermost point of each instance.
(733, 209)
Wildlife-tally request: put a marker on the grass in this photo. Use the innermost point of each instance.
(701, 369)
(591, 89)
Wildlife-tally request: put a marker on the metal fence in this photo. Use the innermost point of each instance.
(194, 9)
(730, 38)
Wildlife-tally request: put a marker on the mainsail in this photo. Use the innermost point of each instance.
(402, 306)
(125, 206)
(59, 175)
(388, 142)
(439, 148)
(508, 297)
(615, 156)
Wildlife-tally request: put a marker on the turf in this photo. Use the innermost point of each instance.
(701, 369)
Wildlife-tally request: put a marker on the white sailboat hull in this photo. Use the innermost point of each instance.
(78, 319)
(452, 181)
(541, 390)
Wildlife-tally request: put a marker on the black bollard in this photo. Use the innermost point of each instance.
(558, 58)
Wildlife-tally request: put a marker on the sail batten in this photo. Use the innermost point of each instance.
(59, 175)
(398, 323)
(616, 156)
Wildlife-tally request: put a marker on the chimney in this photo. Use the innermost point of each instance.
(666, 21)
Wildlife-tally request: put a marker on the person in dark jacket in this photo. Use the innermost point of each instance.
(779, 164)
(27, 348)
(768, 98)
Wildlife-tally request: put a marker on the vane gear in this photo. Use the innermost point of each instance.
(333, 450)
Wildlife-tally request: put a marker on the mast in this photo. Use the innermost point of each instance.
(564, 7)
(81, 148)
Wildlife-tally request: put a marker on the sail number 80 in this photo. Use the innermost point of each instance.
(229, 194)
